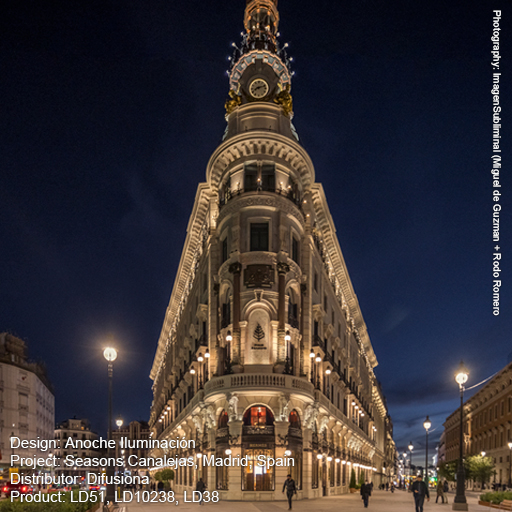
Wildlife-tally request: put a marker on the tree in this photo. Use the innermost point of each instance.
(447, 470)
(158, 476)
(352, 483)
(361, 477)
(479, 469)
(167, 475)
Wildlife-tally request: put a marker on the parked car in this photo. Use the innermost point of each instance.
(23, 489)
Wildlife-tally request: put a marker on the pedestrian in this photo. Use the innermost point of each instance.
(420, 490)
(291, 489)
(387, 486)
(200, 487)
(366, 492)
(440, 491)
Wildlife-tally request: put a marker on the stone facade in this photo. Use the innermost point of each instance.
(264, 350)
(75, 429)
(27, 403)
(487, 424)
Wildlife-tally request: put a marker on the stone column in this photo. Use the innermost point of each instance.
(307, 462)
(281, 430)
(282, 269)
(235, 472)
(302, 355)
(236, 270)
(212, 483)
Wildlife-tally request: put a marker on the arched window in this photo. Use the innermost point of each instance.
(258, 416)
(223, 419)
(294, 419)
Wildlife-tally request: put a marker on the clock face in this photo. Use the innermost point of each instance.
(258, 88)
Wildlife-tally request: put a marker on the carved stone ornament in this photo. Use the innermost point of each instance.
(284, 205)
(310, 415)
(283, 268)
(198, 423)
(233, 408)
(259, 276)
(235, 268)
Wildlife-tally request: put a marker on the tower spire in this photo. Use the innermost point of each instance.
(260, 66)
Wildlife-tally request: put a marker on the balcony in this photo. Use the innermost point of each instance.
(202, 342)
(263, 430)
(292, 195)
(318, 342)
(257, 381)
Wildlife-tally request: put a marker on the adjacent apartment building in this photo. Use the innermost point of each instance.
(27, 403)
(487, 424)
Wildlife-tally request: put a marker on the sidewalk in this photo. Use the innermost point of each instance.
(381, 501)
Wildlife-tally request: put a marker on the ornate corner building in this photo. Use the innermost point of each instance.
(264, 351)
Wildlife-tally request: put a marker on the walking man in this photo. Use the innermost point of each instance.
(366, 492)
(200, 487)
(291, 489)
(420, 490)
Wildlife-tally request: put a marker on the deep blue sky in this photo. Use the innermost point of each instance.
(110, 111)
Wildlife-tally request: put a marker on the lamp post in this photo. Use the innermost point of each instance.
(459, 502)
(404, 455)
(510, 465)
(200, 360)
(411, 447)
(318, 360)
(206, 373)
(328, 372)
(426, 425)
(287, 366)
(110, 354)
(312, 357)
(119, 422)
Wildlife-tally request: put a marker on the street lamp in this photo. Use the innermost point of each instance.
(110, 354)
(119, 422)
(510, 465)
(200, 360)
(318, 360)
(287, 366)
(482, 454)
(403, 474)
(411, 447)
(426, 425)
(459, 502)
(312, 357)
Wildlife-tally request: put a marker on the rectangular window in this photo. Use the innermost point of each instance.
(225, 249)
(315, 282)
(295, 250)
(268, 177)
(250, 177)
(325, 303)
(259, 236)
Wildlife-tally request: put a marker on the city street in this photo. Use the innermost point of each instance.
(380, 501)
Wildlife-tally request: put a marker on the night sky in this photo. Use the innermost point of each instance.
(110, 111)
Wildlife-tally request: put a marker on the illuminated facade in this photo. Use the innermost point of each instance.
(264, 350)
(487, 425)
(27, 403)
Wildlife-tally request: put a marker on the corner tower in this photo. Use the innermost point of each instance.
(264, 351)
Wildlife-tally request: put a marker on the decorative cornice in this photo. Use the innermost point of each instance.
(260, 144)
(332, 246)
(186, 271)
(260, 199)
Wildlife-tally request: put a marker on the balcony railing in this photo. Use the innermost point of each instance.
(318, 342)
(257, 430)
(293, 195)
(201, 342)
(257, 381)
